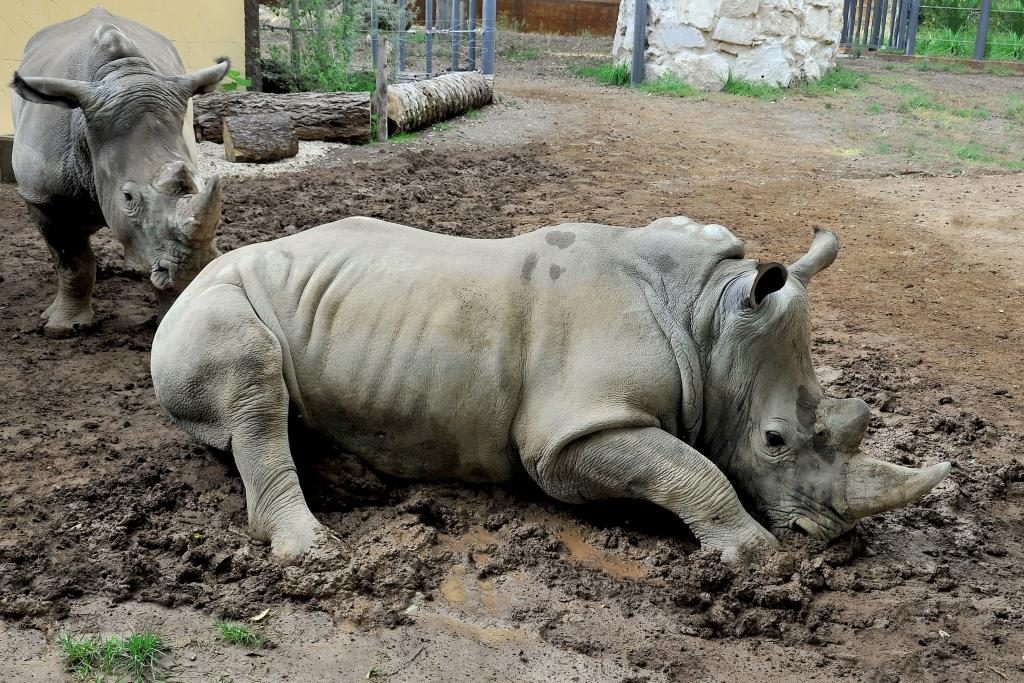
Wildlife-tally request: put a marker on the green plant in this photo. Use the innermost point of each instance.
(234, 80)
(920, 100)
(671, 85)
(398, 138)
(441, 127)
(239, 635)
(515, 53)
(833, 81)
(473, 113)
(606, 74)
(1015, 112)
(979, 113)
(973, 152)
(761, 91)
(323, 56)
(136, 657)
(874, 108)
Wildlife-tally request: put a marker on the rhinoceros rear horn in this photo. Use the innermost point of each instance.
(60, 92)
(771, 277)
(202, 212)
(205, 80)
(823, 251)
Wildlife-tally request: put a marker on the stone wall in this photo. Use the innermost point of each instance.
(776, 42)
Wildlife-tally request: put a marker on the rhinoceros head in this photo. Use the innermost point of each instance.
(792, 451)
(143, 167)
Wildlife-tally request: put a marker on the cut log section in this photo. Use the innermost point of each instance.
(259, 138)
(416, 105)
(335, 117)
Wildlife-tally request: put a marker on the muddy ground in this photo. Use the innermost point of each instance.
(111, 519)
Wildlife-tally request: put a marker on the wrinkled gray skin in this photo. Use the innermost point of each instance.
(103, 136)
(653, 363)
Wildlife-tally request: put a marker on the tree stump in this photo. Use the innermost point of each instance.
(415, 105)
(335, 117)
(259, 138)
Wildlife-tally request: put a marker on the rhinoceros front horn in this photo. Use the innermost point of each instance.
(823, 251)
(874, 486)
(201, 214)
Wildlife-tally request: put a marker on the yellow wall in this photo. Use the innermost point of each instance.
(200, 29)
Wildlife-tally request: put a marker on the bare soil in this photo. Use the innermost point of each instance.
(112, 519)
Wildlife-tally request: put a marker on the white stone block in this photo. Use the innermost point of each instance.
(674, 37)
(697, 13)
(778, 23)
(738, 8)
(704, 72)
(816, 23)
(766, 64)
(736, 31)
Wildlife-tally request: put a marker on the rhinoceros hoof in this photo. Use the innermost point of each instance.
(749, 548)
(63, 326)
(307, 544)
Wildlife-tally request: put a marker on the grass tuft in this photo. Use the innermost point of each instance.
(670, 85)
(515, 53)
(136, 657)
(239, 635)
(874, 108)
(761, 91)
(834, 81)
(973, 152)
(606, 74)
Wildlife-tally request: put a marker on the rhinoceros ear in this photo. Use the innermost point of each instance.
(206, 80)
(59, 92)
(771, 277)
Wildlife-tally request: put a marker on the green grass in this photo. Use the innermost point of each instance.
(136, 657)
(441, 127)
(670, 85)
(606, 74)
(399, 138)
(883, 148)
(834, 81)
(735, 86)
(973, 152)
(920, 100)
(514, 53)
(473, 113)
(874, 108)
(1015, 112)
(978, 113)
(239, 635)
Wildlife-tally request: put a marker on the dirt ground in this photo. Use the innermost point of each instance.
(111, 519)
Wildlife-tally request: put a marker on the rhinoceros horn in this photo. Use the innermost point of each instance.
(874, 486)
(823, 251)
(201, 213)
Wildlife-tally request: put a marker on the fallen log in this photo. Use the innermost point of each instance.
(259, 138)
(418, 104)
(335, 117)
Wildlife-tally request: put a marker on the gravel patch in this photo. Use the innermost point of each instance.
(211, 160)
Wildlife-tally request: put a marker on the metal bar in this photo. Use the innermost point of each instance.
(982, 37)
(636, 72)
(374, 38)
(293, 32)
(915, 12)
(401, 36)
(456, 21)
(876, 24)
(844, 38)
(471, 60)
(893, 13)
(428, 28)
(490, 14)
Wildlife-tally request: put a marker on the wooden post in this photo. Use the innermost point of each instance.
(456, 25)
(380, 92)
(428, 28)
(293, 29)
(252, 45)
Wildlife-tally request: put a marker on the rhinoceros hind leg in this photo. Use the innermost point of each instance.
(71, 311)
(651, 464)
(217, 369)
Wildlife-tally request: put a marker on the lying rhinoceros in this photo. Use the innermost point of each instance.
(653, 363)
(103, 136)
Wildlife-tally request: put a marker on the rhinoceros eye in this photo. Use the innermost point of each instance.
(774, 439)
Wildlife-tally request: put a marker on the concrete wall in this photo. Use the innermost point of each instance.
(200, 29)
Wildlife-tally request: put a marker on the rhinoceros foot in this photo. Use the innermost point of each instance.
(746, 546)
(306, 541)
(62, 323)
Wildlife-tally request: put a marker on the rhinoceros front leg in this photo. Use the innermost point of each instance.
(218, 370)
(75, 264)
(653, 465)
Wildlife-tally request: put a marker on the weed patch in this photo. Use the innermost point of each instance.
(761, 91)
(137, 657)
(669, 85)
(606, 74)
(239, 635)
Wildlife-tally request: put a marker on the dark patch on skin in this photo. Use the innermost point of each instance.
(807, 415)
(528, 265)
(666, 264)
(556, 272)
(560, 239)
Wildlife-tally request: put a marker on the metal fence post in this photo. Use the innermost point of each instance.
(636, 73)
(490, 14)
(471, 60)
(456, 24)
(401, 36)
(982, 37)
(428, 29)
(915, 11)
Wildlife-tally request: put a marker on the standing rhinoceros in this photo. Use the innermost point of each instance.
(654, 363)
(103, 136)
